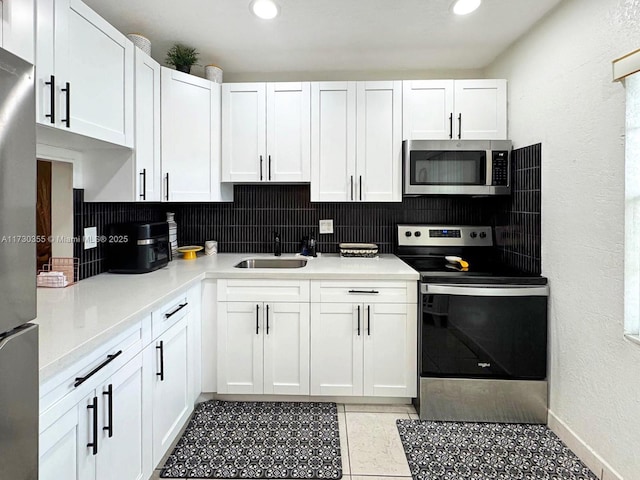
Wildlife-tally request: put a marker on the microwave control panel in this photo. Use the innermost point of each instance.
(500, 171)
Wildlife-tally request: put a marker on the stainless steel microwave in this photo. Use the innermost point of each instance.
(457, 167)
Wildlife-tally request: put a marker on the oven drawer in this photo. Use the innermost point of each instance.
(363, 291)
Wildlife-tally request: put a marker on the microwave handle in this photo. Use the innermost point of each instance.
(486, 290)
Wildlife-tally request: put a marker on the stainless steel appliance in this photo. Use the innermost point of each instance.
(18, 339)
(137, 247)
(457, 167)
(483, 329)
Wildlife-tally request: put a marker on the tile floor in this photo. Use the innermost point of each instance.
(371, 447)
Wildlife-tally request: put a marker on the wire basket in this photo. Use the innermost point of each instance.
(60, 272)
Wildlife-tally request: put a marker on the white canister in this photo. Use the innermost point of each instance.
(213, 73)
(210, 247)
(140, 41)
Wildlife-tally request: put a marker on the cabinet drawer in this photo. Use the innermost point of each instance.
(263, 291)
(169, 314)
(363, 291)
(93, 367)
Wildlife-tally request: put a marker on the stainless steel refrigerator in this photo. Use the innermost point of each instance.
(18, 338)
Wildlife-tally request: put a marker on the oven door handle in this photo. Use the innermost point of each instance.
(486, 290)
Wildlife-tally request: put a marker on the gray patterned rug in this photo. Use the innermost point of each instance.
(483, 451)
(258, 440)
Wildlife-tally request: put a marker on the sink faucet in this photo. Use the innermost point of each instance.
(277, 244)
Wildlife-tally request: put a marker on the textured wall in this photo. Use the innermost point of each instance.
(561, 93)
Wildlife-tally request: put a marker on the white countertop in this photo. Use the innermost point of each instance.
(75, 320)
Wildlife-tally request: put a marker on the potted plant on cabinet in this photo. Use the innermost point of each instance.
(182, 57)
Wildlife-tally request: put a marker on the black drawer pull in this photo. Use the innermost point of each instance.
(358, 320)
(369, 320)
(110, 358)
(451, 125)
(94, 443)
(52, 87)
(109, 394)
(267, 319)
(178, 308)
(260, 167)
(161, 348)
(143, 174)
(67, 90)
(269, 167)
(460, 126)
(368, 292)
(257, 319)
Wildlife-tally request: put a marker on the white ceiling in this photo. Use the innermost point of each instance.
(329, 35)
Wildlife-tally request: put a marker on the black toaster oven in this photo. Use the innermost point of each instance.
(137, 247)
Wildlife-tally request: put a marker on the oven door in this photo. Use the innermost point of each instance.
(484, 331)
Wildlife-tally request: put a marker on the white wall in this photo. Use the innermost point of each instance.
(561, 94)
(62, 208)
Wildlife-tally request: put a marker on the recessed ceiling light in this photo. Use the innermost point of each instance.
(465, 7)
(265, 9)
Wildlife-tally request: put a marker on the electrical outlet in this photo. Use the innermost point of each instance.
(326, 226)
(90, 238)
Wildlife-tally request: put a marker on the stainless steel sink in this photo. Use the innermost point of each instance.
(272, 263)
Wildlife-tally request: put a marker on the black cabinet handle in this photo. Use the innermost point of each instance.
(360, 187)
(80, 380)
(269, 167)
(358, 320)
(260, 167)
(178, 308)
(94, 442)
(460, 126)
(368, 292)
(109, 394)
(161, 348)
(257, 319)
(143, 174)
(267, 319)
(451, 125)
(351, 187)
(67, 90)
(167, 194)
(369, 320)
(52, 101)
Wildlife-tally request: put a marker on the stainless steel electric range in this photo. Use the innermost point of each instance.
(482, 337)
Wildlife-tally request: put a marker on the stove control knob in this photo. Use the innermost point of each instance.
(408, 234)
(483, 235)
(418, 234)
(473, 235)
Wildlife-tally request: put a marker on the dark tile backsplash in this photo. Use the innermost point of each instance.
(247, 224)
(518, 223)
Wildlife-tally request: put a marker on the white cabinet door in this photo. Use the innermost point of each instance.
(97, 62)
(17, 31)
(188, 157)
(333, 141)
(63, 445)
(336, 349)
(46, 85)
(481, 109)
(171, 389)
(288, 132)
(244, 143)
(122, 437)
(390, 349)
(240, 347)
(286, 348)
(428, 109)
(379, 142)
(147, 128)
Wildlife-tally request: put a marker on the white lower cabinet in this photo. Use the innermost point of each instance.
(364, 349)
(167, 359)
(102, 436)
(263, 347)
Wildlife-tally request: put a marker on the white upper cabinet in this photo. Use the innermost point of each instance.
(356, 142)
(87, 66)
(333, 141)
(147, 132)
(191, 139)
(428, 109)
(17, 32)
(455, 109)
(481, 109)
(379, 142)
(265, 132)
